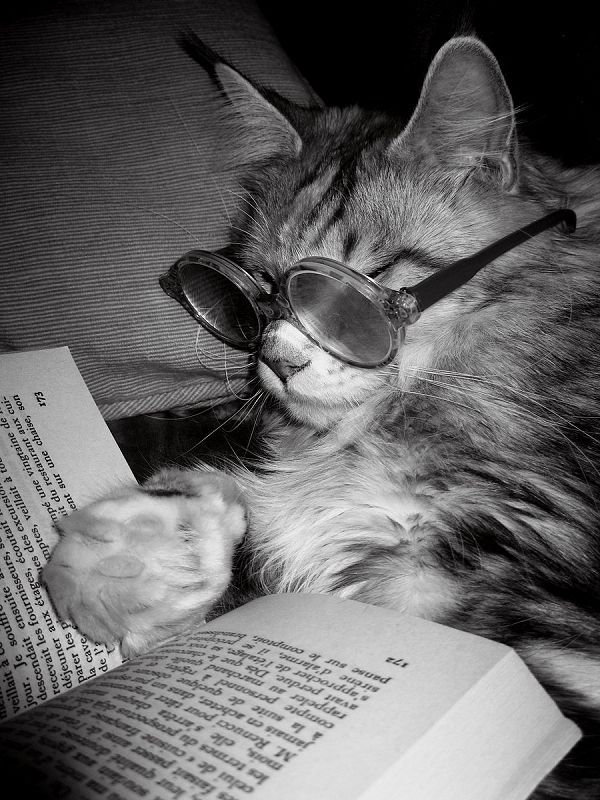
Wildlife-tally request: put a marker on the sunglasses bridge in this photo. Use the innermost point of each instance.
(274, 306)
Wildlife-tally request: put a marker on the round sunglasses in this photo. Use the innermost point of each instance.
(346, 313)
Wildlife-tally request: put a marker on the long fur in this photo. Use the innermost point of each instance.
(460, 482)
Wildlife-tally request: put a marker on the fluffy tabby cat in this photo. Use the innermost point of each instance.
(459, 482)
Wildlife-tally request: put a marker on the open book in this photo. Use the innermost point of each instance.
(302, 697)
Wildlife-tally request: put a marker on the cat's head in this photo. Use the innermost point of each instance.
(398, 201)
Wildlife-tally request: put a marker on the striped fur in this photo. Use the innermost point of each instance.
(460, 482)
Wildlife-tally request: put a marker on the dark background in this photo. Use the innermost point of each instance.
(376, 54)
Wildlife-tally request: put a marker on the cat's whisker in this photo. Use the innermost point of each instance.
(176, 417)
(516, 410)
(405, 391)
(200, 155)
(501, 386)
(259, 225)
(436, 397)
(245, 197)
(263, 224)
(248, 234)
(219, 362)
(249, 408)
(248, 198)
(185, 127)
(222, 199)
(258, 413)
(443, 372)
(530, 397)
(153, 212)
(214, 430)
(227, 378)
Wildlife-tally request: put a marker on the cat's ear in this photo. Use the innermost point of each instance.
(261, 127)
(266, 130)
(465, 114)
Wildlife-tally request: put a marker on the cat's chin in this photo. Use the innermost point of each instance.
(317, 417)
(320, 412)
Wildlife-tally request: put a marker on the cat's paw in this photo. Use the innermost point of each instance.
(147, 562)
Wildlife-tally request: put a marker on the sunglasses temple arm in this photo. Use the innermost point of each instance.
(441, 283)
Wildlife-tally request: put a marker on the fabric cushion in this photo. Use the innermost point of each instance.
(109, 174)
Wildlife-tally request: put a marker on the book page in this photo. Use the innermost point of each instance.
(294, 696)
(54, 445)
(490, 744)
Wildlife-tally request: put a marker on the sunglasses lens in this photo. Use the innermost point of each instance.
(340, 318)
(219, 304)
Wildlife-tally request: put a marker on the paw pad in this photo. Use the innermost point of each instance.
(137, 568)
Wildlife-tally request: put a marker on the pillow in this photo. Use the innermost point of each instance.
(109, 175)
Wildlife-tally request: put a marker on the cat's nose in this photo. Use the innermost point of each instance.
(283, 349)
(283, 368)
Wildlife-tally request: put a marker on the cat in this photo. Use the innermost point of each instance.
(457, 482)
